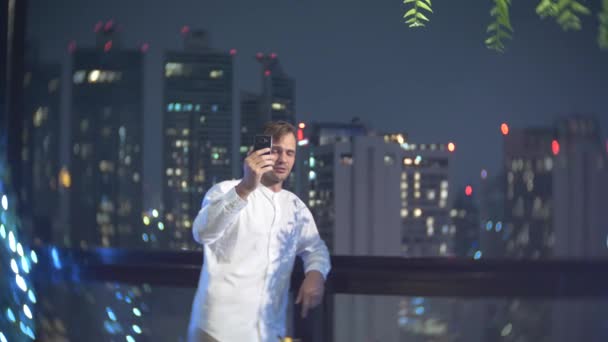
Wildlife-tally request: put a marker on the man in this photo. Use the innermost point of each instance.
(251, 230)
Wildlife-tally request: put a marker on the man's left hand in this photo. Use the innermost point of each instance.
(311, 291)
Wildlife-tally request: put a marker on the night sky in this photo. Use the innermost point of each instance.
(358, 58)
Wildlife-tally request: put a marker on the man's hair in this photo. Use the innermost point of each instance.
(278, 129)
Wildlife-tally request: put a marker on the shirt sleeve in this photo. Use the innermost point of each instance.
(311, 248)
(219, 211)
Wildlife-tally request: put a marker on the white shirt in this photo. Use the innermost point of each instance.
(249, 250)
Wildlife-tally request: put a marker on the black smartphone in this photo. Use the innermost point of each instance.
(262, 141)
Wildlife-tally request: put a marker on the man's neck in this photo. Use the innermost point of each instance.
(272, 185)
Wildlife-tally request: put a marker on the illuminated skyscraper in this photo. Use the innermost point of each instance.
(556, 180)
(197, 131)
(106, 142)
(40, 150)
(378, 195)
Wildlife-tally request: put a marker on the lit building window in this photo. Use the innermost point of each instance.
(444, 194)
(174, 69)
(79, 76)
(178, 172)
(185, 132)
(40, 116)
(407, 161)
(417, 212)
(404, 212)
(169, 172)
(404, 176)
(94, 76)
(430, 195)
(417, 176)
(443, 249)
(278, 106)
(346, 159)
(453, 213)
(403, 185)
(389, 160)
(417, 194)
(136, 177)
(548, 163)
(215, 108)
(216, 74)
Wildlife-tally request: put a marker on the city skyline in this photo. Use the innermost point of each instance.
(450, 71)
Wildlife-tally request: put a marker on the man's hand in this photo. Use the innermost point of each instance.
(311, 291)
(255, 165)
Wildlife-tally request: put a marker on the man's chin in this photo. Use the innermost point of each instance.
(272, 177)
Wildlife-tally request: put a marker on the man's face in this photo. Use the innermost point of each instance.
(284, 155)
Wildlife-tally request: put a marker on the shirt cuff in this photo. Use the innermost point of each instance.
(323, 269)
(234, 202)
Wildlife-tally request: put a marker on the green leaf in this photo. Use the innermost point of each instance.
(411, 20)
(425, 6)
(409, 13)
(421, 16)
(408, 1)
(429, 2)
(577, 7)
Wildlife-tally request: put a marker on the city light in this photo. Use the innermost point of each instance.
(107, 46)
(504, 128)
(185, 29)
(65, 179)
(477, 255)
(555, 147)
(267, 73)
(273, 55)
(108, 26)
(259, 55)
(484, 174)
(301, 125)
(98, 27)
(233, 52)
(145, 47)
(468, 190)
(451, 147)
(72, 46)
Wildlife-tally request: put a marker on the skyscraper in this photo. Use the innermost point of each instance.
(275, 102)
(40, 150)
(465, 217)
(359, 190)
(106, 142)
(197, 130)
(556, 178)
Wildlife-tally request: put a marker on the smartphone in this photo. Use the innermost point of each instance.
(262, 141)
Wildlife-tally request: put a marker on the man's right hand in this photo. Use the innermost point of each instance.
(255, 165)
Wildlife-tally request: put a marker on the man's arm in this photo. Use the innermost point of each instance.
(315, 256)
(224, 201)
(220, 209)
